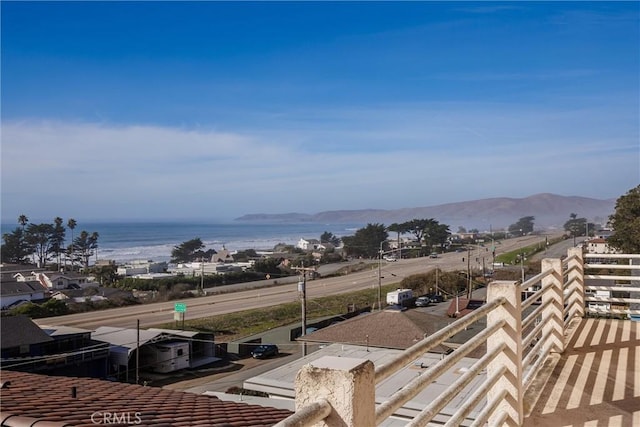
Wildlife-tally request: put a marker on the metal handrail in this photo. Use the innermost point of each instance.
(537, 345)
(428, 413)
(612, 256)
(475, 398)
(415, 386)
(309, 414)
(386, 370)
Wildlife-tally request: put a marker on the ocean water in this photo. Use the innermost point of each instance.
(127, 241)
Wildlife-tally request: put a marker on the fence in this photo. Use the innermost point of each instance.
(519, 337)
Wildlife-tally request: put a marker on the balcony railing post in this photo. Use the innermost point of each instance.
(511, 358)
(575, 280)
(553, 314)
(348, 384)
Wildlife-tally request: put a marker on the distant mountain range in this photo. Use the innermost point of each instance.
(550, 211)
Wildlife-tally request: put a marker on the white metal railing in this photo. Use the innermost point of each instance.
(519, 337)
(621, 294)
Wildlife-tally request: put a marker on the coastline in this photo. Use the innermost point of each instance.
(129, 241)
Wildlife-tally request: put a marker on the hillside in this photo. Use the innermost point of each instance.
(549, 210)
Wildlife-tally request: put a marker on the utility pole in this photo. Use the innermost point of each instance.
(202, 277)
(380, 277)
(137, 352)
(469, 291)
(302, 288)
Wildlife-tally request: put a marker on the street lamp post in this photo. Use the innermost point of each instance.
(522, 258)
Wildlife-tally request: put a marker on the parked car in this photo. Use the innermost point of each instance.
(390, 258)
(265, 350)
(433, 255)
(423, 301)
(434, 298)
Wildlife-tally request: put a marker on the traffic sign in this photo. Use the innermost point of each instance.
(180, 307)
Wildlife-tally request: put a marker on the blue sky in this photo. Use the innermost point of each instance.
(212, 110)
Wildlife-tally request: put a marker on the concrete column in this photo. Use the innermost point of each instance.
(575, 278)
(511, 358)
(348, 384)
(553, 314)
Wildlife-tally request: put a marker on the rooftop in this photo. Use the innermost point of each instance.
(66, 401)
(20, 330)
(387, 328)
(281, 381)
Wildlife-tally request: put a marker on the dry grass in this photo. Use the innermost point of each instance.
(229, 327)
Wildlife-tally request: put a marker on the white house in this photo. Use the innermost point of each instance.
(69, 280)
(142, 267)
(197, 269)
(599, 246)
(309, 244)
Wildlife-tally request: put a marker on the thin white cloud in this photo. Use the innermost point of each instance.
(364, 158)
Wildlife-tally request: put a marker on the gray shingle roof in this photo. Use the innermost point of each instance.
(20, 330)
(387, 328)
(10, 288)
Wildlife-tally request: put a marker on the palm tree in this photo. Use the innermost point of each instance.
(94, 242)
(23, 220)
(71, 224)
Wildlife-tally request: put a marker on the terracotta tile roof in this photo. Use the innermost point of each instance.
(50, 401)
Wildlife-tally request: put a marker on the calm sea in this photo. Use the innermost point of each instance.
(127, 241)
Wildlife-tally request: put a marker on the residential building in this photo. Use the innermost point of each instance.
(196, 269)
(222, 256)
(21, 338)
(599, 246)
(137, 267)
(14, 292)
(50, 349)
(390, 328)
(308, 244)
(55, 281)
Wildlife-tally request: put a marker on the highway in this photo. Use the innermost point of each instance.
(392, 272)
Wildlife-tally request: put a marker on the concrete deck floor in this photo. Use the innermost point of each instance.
(594, 383)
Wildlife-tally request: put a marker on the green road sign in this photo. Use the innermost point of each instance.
(180, 307)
